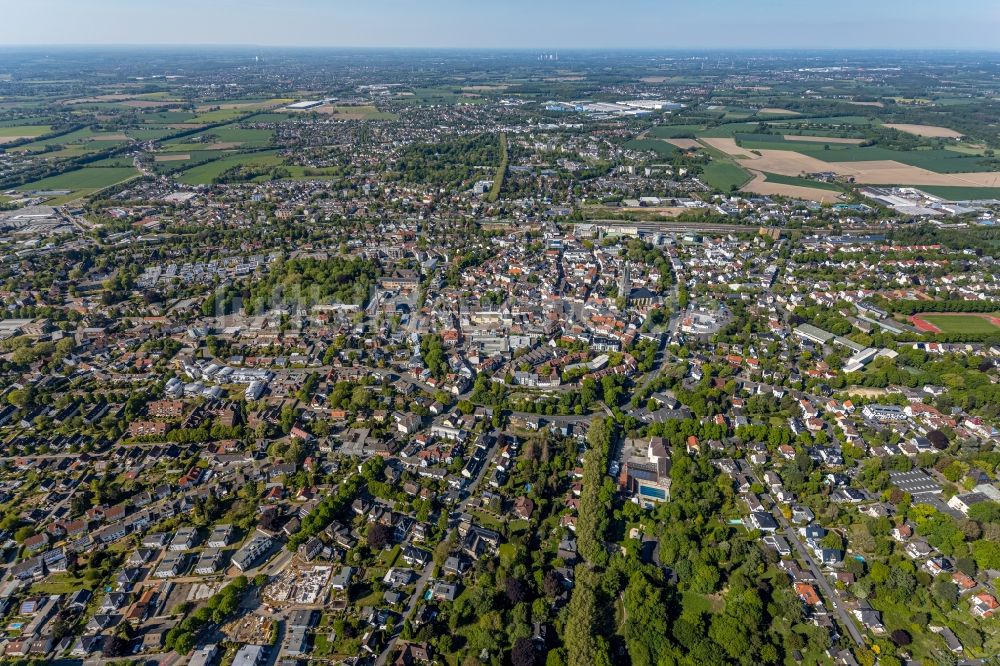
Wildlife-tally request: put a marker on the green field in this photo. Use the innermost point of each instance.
(246, 138)
(81, 141)
(149, 133)
(162, 117)
(725, 176)
(937, 160)
(961, 323)
(440, 95)
(962, 193)
(204, 174)
(801, 182)
(675, 131)
(82, 182)
(662, 149)
(24, 130)
(828, 120)
(221, 115)
(194, 157)
(360, 112)
(275, 117)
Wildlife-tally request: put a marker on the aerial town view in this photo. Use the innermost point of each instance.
(401, 335)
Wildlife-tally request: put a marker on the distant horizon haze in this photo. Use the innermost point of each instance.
(667, 25)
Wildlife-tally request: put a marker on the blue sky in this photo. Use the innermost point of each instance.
(537, 24)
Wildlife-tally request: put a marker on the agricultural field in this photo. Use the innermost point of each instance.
(82, 182)
(957, 323)
(675, 131)
(440, 95)
(939, 161)
(345, 112)
(725, 176)
(963, 193)
(205, 174)
(75, 143)
(926, 130)
(802, 182)
(215, 112)
(883, 166)
(799, 188)
(226, 137)
(17, 132)
(663, 149)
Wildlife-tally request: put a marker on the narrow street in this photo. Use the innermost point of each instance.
(425, 575)
(830, 596)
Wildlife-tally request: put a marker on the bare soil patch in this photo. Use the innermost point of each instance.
(684, 144)
(726, 145)
(866, 392)
(11, 139)
(224, 145)
(654, 79)
(782, 111)
(929, 131)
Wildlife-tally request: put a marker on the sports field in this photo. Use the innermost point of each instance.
(957, 323)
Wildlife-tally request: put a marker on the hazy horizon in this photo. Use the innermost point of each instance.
(515, 24)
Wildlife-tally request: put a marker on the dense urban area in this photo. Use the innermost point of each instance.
(481, 358)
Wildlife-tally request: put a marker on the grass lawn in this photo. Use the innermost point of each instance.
(373, 598)
(694, 603)
(486, 520)
(322, 647)
(387, 558)
(961, 323)
(61, 583)
(518, 525)
(507, 552)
